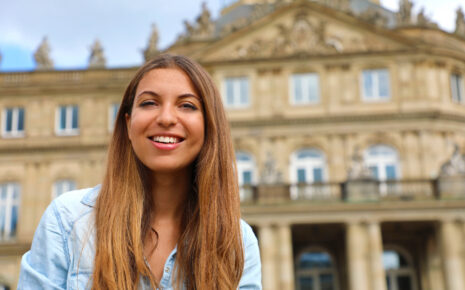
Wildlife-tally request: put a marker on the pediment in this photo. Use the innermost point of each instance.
(300, 30)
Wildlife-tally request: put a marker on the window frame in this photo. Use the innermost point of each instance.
(307, 100)
(237, 90)
(9, 203)
(68, 130)
(376, 97)
(14, 133)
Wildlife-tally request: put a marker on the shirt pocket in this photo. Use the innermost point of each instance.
(79, 281)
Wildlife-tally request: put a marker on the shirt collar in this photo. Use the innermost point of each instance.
(90, 198)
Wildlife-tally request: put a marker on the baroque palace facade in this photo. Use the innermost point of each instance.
(349, 127)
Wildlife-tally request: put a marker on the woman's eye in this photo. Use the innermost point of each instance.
(147, 103)
(188, 106)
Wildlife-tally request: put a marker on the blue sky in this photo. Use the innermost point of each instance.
(122, 26)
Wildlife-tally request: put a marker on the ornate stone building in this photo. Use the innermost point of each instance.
(348, 122)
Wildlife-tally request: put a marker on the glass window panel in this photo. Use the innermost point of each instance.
(75, 117)
(244, 91)
(247, 176)
(306, 283)
(20, 119)
(229, 92)
(368, 84)
(308, 154)
(313, 89)
(2, 219)
(391, 260)
(388, 283)
(317, 175)
(298, 98)
(9, 120)
(404, 283)
(301, 176)
(383, 81)
(242, 157)
(326, 282)
(390, 172)
(14, 220)
(62, 117)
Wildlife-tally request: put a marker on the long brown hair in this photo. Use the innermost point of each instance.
(210, 251)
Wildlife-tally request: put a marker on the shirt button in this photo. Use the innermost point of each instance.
(167, 269)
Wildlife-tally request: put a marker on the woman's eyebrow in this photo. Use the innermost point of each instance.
(147, 92)
(189, 95)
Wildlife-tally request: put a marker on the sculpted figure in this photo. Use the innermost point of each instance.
(97, 58)
(152, 48)
(460, 22)
(42, 56)
(358, 170)
(405, 12)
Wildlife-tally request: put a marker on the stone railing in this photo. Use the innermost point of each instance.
(356, 191)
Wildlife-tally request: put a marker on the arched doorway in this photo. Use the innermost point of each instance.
(400, 272)
(315, 270)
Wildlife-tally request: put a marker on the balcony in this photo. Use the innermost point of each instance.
(445, 188)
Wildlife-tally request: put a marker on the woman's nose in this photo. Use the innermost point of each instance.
(167, 116)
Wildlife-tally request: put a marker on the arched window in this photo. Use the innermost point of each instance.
(316, 271)
(400, 273)
(61, 186)
(9, 209)
(307, 166)
(246, 174)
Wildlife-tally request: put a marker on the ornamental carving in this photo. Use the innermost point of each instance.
(302, 37)
(425, 21)
(203, 28)
(455, 166)
(42, 56)
(358, 169)
(151, 50)
(374, 16)
(404, 16)
(460, 23)
(97, 57)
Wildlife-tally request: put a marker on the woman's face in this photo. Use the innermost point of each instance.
(166, 126)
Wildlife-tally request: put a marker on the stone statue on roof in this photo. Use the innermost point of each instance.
(423, 20)
(42, 56)
(404, 16)
(201, 29)
(152, 48)
(460, 22)
(97, 58)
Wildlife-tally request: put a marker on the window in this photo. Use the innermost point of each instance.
(246, 175)
(399, 271)
(316, 271)
(62, 186)
(237, 92)
(376, 85)
(383, 162)
(307, 166)
(9, 210)
(13, 122)
(67, 120)
(305, 89)
(458, 91)
(112, 114)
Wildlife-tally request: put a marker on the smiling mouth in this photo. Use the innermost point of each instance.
(166, 139)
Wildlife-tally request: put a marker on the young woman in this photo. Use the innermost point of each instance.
(167, 213)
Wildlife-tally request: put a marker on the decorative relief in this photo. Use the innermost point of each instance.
(375, 17)
(455, 166)
(151, 50)
(270, 174)
(358, 169)
(460, 23)
(42, 56)
(97, 57)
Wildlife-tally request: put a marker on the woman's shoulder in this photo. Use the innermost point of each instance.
(248, 236)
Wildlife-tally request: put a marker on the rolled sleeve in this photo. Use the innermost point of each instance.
(45, 265)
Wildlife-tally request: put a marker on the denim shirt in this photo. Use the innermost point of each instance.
(63, 249)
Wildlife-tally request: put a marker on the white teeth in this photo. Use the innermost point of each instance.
(163, 139)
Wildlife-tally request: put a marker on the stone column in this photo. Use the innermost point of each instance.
(285, 257)
(378, 275)
(266, 237)
(452, 244)
(356, 257)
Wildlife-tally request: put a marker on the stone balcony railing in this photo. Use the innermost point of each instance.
(356, 191)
